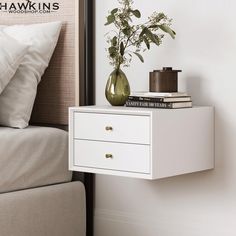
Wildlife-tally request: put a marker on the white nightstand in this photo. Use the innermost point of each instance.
(142, 143)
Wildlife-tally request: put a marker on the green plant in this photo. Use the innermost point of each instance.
(132, 39)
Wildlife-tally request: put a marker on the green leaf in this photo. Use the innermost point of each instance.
(160, 16)
(114, 41)
(148, 33)
(122, 49)
(157, 40)
(151, 36)
(110, 19)
(129, 18)
(136, 13)
(126, 31)
(112, 51)
(153, 26)
(146, 42)
(167, 30)
(139, 56)
(125, 23)
(114, 11)
(143, 32)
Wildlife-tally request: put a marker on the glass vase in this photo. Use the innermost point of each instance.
(117, 88)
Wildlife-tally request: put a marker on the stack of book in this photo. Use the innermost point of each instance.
(159, 100)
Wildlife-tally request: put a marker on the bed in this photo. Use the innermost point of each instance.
(32, 157)
(38, 195)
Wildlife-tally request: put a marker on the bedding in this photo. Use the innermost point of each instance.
(32, 157)
(11, 55)
(17, 99)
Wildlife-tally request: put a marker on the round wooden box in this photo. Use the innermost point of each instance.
(165, 80)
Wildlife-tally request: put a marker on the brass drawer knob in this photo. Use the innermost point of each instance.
(108, 128)
(109, 156)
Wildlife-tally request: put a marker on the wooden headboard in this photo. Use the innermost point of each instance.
(59, 87)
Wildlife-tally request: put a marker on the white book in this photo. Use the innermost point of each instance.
(156, 94)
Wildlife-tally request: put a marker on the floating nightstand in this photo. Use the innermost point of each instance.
(139, 142)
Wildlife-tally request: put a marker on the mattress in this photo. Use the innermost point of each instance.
(32, 157)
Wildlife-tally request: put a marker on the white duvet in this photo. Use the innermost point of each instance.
(32, 157)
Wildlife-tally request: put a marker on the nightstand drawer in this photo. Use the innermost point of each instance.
(112, 128)
(112, 156)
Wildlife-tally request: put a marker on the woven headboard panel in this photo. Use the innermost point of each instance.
(59, 87)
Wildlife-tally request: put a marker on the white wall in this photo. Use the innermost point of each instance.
(192, 205)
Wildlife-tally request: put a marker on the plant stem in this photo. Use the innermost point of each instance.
(117, 67)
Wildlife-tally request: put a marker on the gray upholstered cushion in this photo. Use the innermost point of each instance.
(57, 210)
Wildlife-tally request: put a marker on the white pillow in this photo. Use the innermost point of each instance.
(11, 55)
(17, 99)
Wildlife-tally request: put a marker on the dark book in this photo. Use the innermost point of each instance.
(164, 105)
(160, 99)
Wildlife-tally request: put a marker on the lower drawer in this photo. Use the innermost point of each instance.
(113, 156)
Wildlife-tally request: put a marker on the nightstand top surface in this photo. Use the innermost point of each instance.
(121, 109)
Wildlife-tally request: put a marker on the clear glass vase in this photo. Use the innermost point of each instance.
(117, 88)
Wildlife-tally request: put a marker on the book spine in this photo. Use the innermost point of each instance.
(146, 99)
(149, 104)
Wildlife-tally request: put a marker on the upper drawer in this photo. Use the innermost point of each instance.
(112, 128)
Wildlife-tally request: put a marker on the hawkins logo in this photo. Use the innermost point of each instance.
(29, 7)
